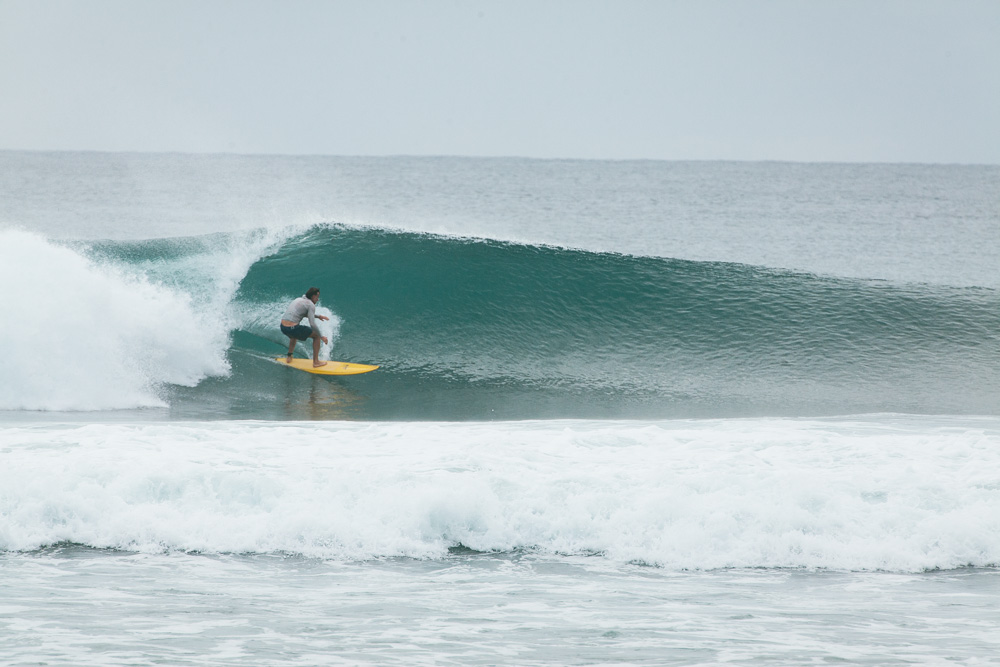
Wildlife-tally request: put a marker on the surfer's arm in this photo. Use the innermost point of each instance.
(313, 317)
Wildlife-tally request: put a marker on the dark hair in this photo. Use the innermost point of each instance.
(311, 291)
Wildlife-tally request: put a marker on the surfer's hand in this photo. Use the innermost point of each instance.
(322, 317)
(325, 341)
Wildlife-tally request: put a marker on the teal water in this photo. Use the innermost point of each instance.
(475, 329)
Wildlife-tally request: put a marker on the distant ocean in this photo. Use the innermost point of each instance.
(640, 412)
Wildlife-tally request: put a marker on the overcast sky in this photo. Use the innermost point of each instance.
(840, 80)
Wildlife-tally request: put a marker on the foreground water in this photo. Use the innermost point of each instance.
(629, 413)
(113, 608)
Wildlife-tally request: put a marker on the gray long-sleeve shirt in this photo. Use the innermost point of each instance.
(301, 307)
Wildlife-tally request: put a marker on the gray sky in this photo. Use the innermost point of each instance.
(840, 80)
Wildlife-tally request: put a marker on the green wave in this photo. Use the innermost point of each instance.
(472, 329)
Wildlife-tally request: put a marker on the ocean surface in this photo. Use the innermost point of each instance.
(656, 413)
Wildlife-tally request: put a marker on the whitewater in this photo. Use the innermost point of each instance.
(628, 412)
(859, 494)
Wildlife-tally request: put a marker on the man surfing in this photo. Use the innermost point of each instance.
(304, 306)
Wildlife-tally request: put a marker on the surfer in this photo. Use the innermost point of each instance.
(304, 306)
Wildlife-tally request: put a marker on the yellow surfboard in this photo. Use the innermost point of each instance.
(331, 367)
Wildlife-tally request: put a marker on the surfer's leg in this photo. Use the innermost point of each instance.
(291, 347)
(316, 362)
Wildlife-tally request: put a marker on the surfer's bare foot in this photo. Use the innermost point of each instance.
(288, 359)
(317, 364)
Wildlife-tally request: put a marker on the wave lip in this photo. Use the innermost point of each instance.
(886, 493)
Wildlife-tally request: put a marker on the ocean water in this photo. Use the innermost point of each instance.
(628, 412)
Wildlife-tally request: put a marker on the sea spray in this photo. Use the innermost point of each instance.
(83, 336)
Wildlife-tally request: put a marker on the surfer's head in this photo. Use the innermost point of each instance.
(312, 292)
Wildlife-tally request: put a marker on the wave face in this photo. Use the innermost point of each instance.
(905, 494)
(527, 331)
(475, 329)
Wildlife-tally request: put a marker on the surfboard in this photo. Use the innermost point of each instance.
(331, 368)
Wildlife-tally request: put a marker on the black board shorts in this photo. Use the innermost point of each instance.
(298, 332)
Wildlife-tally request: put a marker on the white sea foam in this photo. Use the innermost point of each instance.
(901, 494)
(83, 335)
